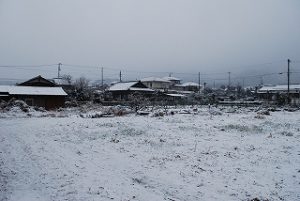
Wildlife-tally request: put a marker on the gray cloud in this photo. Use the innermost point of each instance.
(156, 35)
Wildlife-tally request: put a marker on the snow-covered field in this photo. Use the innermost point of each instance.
(224, 156)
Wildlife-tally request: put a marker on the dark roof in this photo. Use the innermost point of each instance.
(38, 81)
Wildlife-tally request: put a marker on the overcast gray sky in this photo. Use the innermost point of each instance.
(155, 35)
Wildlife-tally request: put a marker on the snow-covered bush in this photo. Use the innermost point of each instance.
(17, 104)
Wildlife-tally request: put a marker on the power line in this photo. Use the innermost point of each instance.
(31, 69)
(26, 66)
(205, 76)
(136, 71)
(133, 71)
(12, 79)
(79, 66)
(260, 75)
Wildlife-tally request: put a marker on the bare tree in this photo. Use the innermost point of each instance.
(81, 84)
(137, 101)
(67, 78)
(82, 89)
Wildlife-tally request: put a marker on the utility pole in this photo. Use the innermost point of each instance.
(102, 78)
(199, 81)
(120, 76)
(229, 80)
(58, 70)
(288, 75)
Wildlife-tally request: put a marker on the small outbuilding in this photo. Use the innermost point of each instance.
(65, 84)
(188, 86)
(122, 90)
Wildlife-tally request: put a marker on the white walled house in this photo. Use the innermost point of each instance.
(156, 83)
(173, 80)
(273, 93)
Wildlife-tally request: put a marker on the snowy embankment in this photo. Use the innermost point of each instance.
(225, 156)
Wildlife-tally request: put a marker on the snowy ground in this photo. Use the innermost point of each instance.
(232, 156)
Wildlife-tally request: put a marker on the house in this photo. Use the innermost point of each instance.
(188, 86)
(37, 91)
(61, 82)
(175, 98)
(275, 93)
(156, 83)
(173, 80)
(43, 82)
(41, 96)
(122, 90)
(65, 84)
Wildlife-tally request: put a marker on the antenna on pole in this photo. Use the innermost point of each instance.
(120, 76)
(58, 70)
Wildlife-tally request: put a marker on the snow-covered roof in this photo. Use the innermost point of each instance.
(278, 88)
(60, 81)
(31, 90)
(171, 79)
(153, 79)
(176, 95)
(140, 89)
(125, 86)
(122, 86)
(190, 84)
